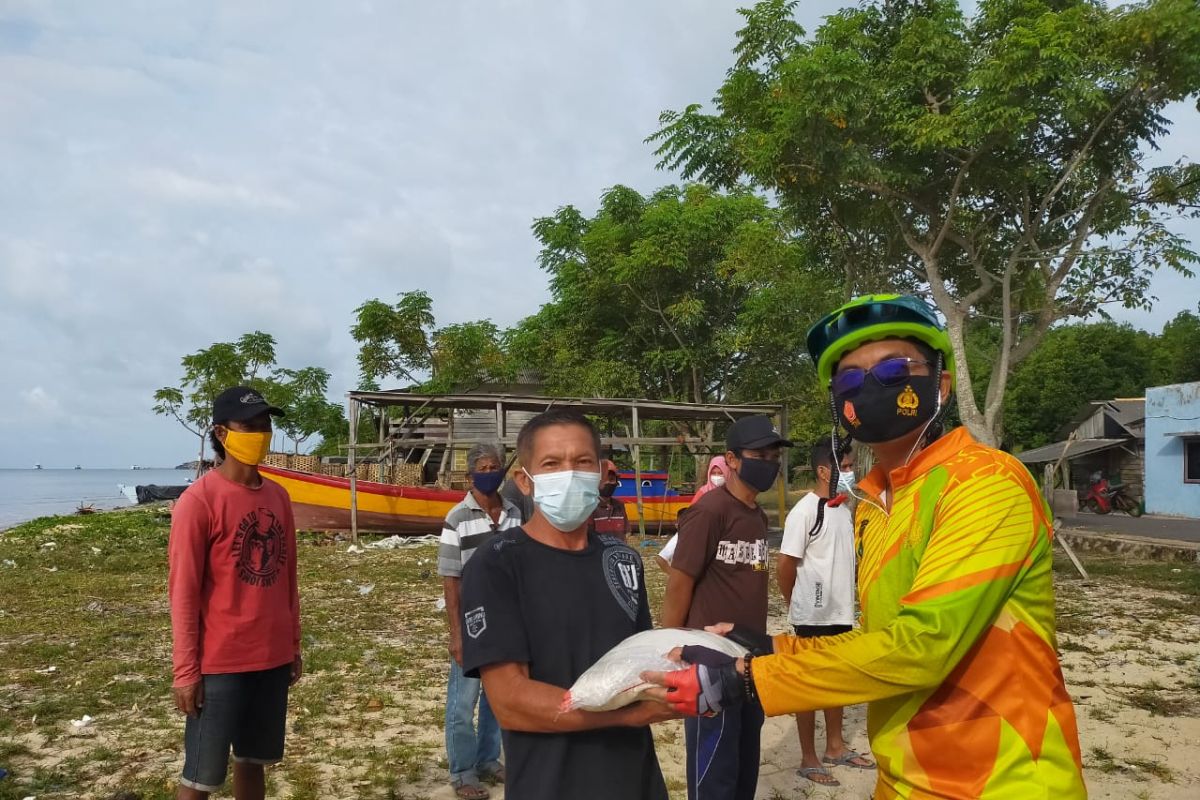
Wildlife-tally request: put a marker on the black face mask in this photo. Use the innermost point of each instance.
(758, 473)
(881, 413)
(607, 489)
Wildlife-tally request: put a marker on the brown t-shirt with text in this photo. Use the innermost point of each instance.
(723, 545)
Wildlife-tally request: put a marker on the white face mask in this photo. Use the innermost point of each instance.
(567, 498)
(847, 482)
(717, 480)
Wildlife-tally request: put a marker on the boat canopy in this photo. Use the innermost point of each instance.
(632, 412)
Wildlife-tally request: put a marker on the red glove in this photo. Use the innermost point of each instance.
(703, 691)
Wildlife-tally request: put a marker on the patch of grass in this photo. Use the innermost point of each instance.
(1180, 577)
(1103, 761)
(1162, 702)
(1155, 768)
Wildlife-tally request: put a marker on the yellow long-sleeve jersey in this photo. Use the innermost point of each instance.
(956, 656)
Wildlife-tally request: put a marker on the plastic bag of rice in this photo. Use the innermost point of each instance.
(615, 680)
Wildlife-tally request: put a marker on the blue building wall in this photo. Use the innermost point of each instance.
(1170, 409)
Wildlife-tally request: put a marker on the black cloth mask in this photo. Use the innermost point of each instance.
(881, 413)
(607, 489)
(758, 473)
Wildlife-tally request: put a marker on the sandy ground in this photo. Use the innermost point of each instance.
(367, 721)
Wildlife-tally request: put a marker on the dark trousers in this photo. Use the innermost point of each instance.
(722, 753)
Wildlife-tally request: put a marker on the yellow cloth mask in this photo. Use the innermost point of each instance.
(248, 447)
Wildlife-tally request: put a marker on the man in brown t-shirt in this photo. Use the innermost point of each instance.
(719, 574)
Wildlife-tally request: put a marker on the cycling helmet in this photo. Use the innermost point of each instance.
(870, 319)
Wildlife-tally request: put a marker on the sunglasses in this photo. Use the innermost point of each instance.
(889, 372)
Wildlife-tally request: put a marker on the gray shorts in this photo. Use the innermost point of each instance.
(243, 710)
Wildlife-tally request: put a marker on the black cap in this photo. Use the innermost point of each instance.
(241, 403)
(753, 433)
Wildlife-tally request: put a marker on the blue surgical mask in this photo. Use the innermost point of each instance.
(567, 498)
(487, 482)
(847, 483)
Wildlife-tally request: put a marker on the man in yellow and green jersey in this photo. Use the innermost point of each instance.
(956, 655)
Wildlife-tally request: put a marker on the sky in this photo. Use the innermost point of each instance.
(174, 174)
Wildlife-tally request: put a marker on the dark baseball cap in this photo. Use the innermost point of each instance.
(241, 403)
(753, 433)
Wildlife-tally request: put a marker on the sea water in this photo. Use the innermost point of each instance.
(26, 494)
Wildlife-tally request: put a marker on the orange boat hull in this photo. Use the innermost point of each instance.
(322, 502)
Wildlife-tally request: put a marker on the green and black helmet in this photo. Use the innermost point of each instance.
(869, 319)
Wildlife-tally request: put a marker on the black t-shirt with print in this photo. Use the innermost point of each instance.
(559, 611)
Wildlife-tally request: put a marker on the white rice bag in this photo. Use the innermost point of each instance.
(615, 680)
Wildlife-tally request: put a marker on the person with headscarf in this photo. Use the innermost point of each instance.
(717, 472)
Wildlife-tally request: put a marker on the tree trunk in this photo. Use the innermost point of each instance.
(968, 410)
(200, 461)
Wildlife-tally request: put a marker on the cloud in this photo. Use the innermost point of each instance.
(174, 174)
(39, 401)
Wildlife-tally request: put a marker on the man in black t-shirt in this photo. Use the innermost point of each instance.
(540, 605)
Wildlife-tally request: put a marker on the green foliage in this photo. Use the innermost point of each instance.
(1075, 365)
(207, 372)
(688, 294)
(401, 341)
(394, 339)
(994, 163)
(250, 361)
(301, 393)
(1177, 354)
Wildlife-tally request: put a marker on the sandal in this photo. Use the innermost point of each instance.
(847, 760)
(493, 776)
(471, 791)
(825, 779)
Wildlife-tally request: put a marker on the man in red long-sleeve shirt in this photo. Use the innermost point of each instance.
(235, 609)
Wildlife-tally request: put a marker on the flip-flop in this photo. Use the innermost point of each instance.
(847, 759)
(471, 791)
(809, 772)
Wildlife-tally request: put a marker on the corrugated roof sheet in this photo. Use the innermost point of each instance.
(1080, 447)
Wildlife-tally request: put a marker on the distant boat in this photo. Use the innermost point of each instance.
(37, 466)
(78, 467)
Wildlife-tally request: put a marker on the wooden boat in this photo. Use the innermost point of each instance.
(322, 502)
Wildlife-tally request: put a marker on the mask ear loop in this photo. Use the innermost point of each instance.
(925, 439)
(840, 447)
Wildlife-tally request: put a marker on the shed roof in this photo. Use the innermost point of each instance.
(1080, 447)
(603, 406)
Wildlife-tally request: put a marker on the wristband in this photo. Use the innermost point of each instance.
(748, 679)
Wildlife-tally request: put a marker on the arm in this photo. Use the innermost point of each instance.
(450, 568)
(695, 546)
(523, 704)
(785, 575)
(967, 572)
(452, 590)
(799, 522)
(187, 555)
(678, 599)
(297, 660)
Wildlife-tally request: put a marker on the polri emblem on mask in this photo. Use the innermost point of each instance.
(907, 403)
(849, 413)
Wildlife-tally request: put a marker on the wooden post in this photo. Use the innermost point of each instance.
(352, 468)
(501, 432)
(637, 472)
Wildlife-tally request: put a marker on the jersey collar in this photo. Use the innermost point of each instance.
(933, 455)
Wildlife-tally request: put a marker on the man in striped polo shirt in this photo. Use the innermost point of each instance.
(473, 754)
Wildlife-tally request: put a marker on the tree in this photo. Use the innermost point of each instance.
(302, 393)
(995, 164)
(689, 294)
(1177, 351)
(394, 340)
(1075, 364)
(207, 372)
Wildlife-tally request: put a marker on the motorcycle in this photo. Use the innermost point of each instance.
(1103, 497)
